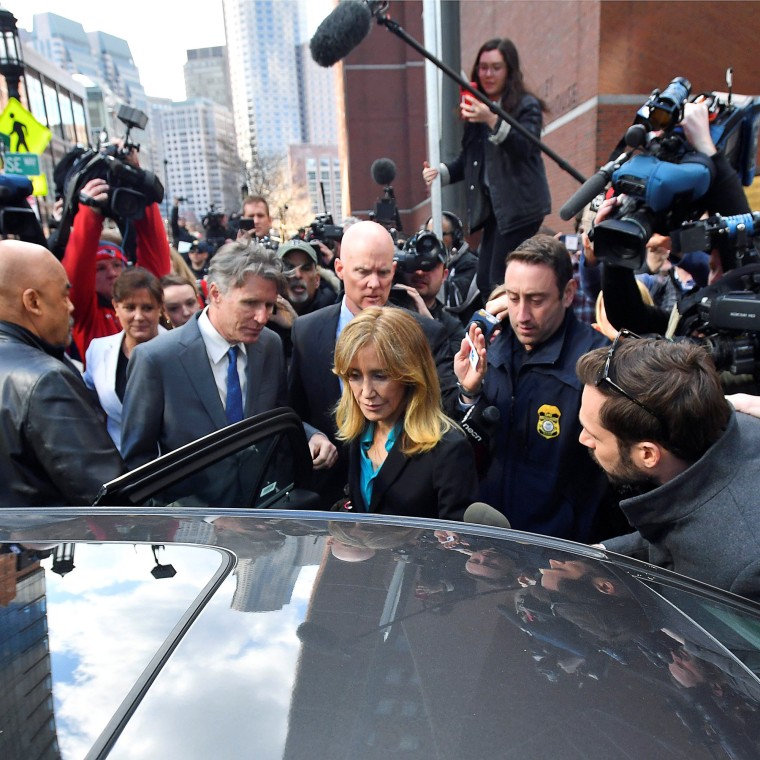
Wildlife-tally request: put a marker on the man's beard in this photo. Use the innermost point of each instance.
(626, 477)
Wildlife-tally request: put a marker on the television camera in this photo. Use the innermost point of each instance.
(216, 230)
(324, 230)
(386, 210)
(725, 316)
(131, 188)
(423, 251)
(16, 216)
(661, 174)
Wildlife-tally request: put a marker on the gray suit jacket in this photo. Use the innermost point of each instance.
(172, 399)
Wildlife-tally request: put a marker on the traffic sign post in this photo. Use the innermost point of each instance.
(25, 133)
(27, 164)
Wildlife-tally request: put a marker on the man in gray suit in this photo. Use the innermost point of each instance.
(219, 367)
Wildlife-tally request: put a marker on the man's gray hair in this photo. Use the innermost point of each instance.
(233, 262)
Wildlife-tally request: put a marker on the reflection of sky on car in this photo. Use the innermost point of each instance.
(107, 621)
(250, 688)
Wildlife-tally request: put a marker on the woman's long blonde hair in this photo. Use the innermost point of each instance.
(404, 352)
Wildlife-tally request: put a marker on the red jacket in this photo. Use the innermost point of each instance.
(93, 319)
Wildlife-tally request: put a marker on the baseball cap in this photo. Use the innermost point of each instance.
(297, 245)
(109, 251)
(199, 246)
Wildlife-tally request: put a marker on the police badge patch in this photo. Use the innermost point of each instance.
(548, 421)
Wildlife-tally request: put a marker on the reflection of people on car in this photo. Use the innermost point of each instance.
(246, 538)
(484, 562)
(358, 541)
(405, 456)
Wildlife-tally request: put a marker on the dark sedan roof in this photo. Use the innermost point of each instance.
(308, 635)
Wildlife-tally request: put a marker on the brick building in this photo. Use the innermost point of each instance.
(594, 62)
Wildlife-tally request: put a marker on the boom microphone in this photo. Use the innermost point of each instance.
(591, 188)
(383, 171)
(340, 32)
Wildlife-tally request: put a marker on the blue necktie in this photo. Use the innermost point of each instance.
(234, 407)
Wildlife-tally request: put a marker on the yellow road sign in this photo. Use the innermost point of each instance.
(39, 185)
(25, 133)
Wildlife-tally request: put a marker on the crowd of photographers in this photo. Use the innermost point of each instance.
(543, 372)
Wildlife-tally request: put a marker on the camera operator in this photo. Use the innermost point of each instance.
(197, 259)
(422, 270)
(460, 290)
(256, 222)
(180, 232)
(92, 264)
(724, 196)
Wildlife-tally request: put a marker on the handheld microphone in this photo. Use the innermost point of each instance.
(383, 171)
(340, 32)
(480, 424)
(479, 513)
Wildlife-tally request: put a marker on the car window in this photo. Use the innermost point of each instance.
(736, 629)
(72, 647)
(254, 463)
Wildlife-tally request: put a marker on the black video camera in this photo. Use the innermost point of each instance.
(733, 236)
(131, 189)
(423, 251)
(730, 324)
(323, 230)
(216, 231)
(725, 316)
(16, 216)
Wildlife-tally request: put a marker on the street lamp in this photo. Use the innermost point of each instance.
(63, 559)
(166, 185)
(11, 60)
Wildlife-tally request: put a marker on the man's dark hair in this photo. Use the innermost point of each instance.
(250, 199)
(544, 249)
(676, 382)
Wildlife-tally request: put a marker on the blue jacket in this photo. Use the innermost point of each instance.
(541, 477)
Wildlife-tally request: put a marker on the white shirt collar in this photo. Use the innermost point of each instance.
(216, 346)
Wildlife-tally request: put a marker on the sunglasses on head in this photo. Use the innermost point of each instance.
(604, 377)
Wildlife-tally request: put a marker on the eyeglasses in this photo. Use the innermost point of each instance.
(292, 271)
(484, 68)
(604, 377)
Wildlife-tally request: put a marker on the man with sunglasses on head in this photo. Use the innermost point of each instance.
(655, 420)
(540, 476)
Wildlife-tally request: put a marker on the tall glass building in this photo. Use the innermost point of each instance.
(261, 44)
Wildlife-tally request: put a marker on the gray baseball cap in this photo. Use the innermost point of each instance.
(297, 245)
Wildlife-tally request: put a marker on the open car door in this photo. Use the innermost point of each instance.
(261, 462)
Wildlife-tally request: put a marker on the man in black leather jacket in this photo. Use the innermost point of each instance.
(54, 448)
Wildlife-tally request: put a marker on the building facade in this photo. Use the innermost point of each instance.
(196, 148)
(207, 75)
(261, 43)
(594, 63)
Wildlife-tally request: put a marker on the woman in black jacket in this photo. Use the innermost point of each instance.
(507, 191)
(405, 456)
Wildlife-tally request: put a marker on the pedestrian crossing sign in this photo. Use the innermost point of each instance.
(25, 134)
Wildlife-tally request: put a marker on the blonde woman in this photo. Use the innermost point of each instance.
(405, 456)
